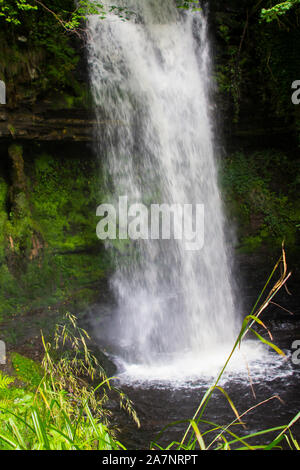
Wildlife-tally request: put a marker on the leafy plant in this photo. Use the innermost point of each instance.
(188, 4)
(11, 10)
(66, 411)
(69, 15)
(280, 9)
(5, 381)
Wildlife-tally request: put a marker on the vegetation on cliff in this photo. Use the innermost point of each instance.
(49, 248)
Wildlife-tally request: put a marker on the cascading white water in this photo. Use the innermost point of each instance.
(150, 81)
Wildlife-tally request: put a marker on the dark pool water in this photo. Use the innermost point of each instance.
(158, 404)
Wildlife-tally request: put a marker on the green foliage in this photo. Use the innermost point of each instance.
(229, 74)
(257, 197)
(64, 201)
(50, 280)
(49, 250)
(35, 50)
(26, 369)
(273, 13)
(277, 53)
(188, 4)
(69, 15)
(232, 64)
(11, 398)
(258, 61)
(65, 412)
(11, 11)
(5, 381)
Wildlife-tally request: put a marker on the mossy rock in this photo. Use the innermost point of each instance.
(26, 369)
(49, 251)
(261, 195)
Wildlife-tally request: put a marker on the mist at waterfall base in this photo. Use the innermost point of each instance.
(176, 317)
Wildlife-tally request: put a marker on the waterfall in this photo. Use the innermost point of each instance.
(150, 79)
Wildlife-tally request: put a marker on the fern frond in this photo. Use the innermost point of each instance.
(5, 380)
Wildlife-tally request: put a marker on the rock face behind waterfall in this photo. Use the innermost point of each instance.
(44, 124)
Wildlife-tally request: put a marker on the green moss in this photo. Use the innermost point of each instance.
(50, 280)
(26, 369)
(49, 251)
(261, 194)
(64, 200)
(80, 98)
(251, 243)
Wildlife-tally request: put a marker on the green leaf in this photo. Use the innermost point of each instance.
(265, 341)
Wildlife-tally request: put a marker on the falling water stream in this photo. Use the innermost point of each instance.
(176, 314)
(173, 317)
